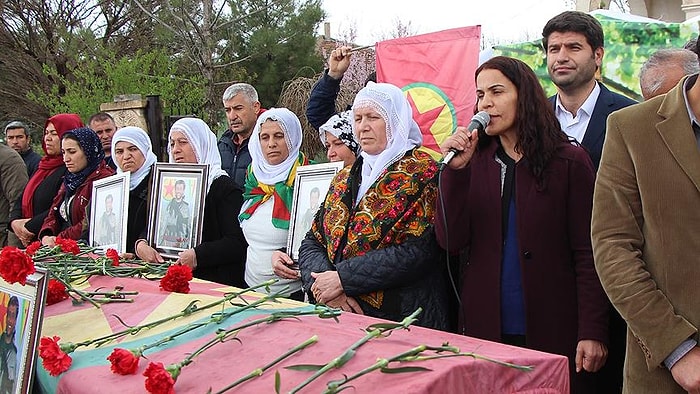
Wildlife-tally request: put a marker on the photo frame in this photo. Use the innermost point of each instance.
(109, 212)
(310, 187)
(177, 197)
(19, 356)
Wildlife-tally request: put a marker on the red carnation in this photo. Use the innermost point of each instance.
(124, 362)
(177, 279)
(114, 255)
(159, 380)
(33, 247)
(15, 265)
(68, 245)
(54, 359)
(57, 292)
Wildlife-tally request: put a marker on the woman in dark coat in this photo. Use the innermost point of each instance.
(133, 153)
(518, 200)
(28, 215)
(84, 159)
(371, 248)
(220, 257)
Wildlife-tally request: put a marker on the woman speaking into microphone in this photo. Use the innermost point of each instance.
(518, 201)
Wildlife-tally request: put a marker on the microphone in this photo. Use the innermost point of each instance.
(479, 122)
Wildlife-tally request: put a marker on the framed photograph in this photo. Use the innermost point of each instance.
(21, 311)
(310, 187)
(109, 212)
(177, 198)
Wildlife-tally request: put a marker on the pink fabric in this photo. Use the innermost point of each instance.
(226, 362)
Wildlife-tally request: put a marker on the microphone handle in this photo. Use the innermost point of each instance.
(451, 154)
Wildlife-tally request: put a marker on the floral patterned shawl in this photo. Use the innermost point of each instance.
(398, 205)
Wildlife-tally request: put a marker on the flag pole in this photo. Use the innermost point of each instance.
(357, 49)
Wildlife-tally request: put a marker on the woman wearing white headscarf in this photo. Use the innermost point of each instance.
(372, 247)
(221, 254)
(133, 153)
(274, 149)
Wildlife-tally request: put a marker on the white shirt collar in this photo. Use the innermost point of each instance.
(575, 126)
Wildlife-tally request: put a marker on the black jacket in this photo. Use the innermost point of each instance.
(42, 199)
(607, 103)
(31, 160)
(138, 213)
(221, 254)
(411, 275)
(321, 106)
(234, 158)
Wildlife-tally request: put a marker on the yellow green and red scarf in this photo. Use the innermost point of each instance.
(257, 193)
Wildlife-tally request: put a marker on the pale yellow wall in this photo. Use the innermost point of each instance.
(665, 10)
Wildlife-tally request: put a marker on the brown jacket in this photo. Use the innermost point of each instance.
(12, 182)
(644, 232)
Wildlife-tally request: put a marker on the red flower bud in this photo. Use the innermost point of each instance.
(56, 292)
(15, 265)
(158, 379)
(177, 279)
(124, 362)
(55, 361)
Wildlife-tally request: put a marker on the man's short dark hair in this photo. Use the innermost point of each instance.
(180, 182)
(109, 197)
(17, 125)
(13, 301)
(577, 22)
(100, 117)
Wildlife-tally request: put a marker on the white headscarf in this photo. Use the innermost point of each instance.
(203, 143)
(265, 172)
(402, 132)
(140, 139)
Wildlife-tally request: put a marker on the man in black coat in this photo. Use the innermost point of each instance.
(18, 138)
(242, 110)
(573, 42)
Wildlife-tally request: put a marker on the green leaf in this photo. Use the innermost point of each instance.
(347, 356)
(382, 326)
(305, 367)
(278, 382)
(404, 369)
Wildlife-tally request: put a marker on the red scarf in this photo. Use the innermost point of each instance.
(49, 163)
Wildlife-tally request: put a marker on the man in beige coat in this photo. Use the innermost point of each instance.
(646, 237)
(13, 179)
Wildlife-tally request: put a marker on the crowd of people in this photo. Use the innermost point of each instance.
(569, 218)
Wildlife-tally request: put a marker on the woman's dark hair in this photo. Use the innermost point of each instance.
(539, 132)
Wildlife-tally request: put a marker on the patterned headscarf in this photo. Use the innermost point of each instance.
(203, 143)
(340, 126)
(402, 132)
(92, 148)
(265, 180)
(140, 139)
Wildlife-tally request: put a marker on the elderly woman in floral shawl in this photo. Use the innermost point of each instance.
(371, 248)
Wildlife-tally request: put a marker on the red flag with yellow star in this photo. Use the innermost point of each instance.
(436, 72)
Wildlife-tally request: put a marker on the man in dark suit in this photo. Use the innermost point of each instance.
(573, 42)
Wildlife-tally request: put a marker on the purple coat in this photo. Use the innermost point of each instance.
(564, 300)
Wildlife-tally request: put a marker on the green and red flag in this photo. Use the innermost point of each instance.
(436, 72)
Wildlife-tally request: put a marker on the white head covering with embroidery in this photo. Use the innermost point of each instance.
(340, 126)
(140, 139)
(203, 142)
(265, 172)
(402, 132)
